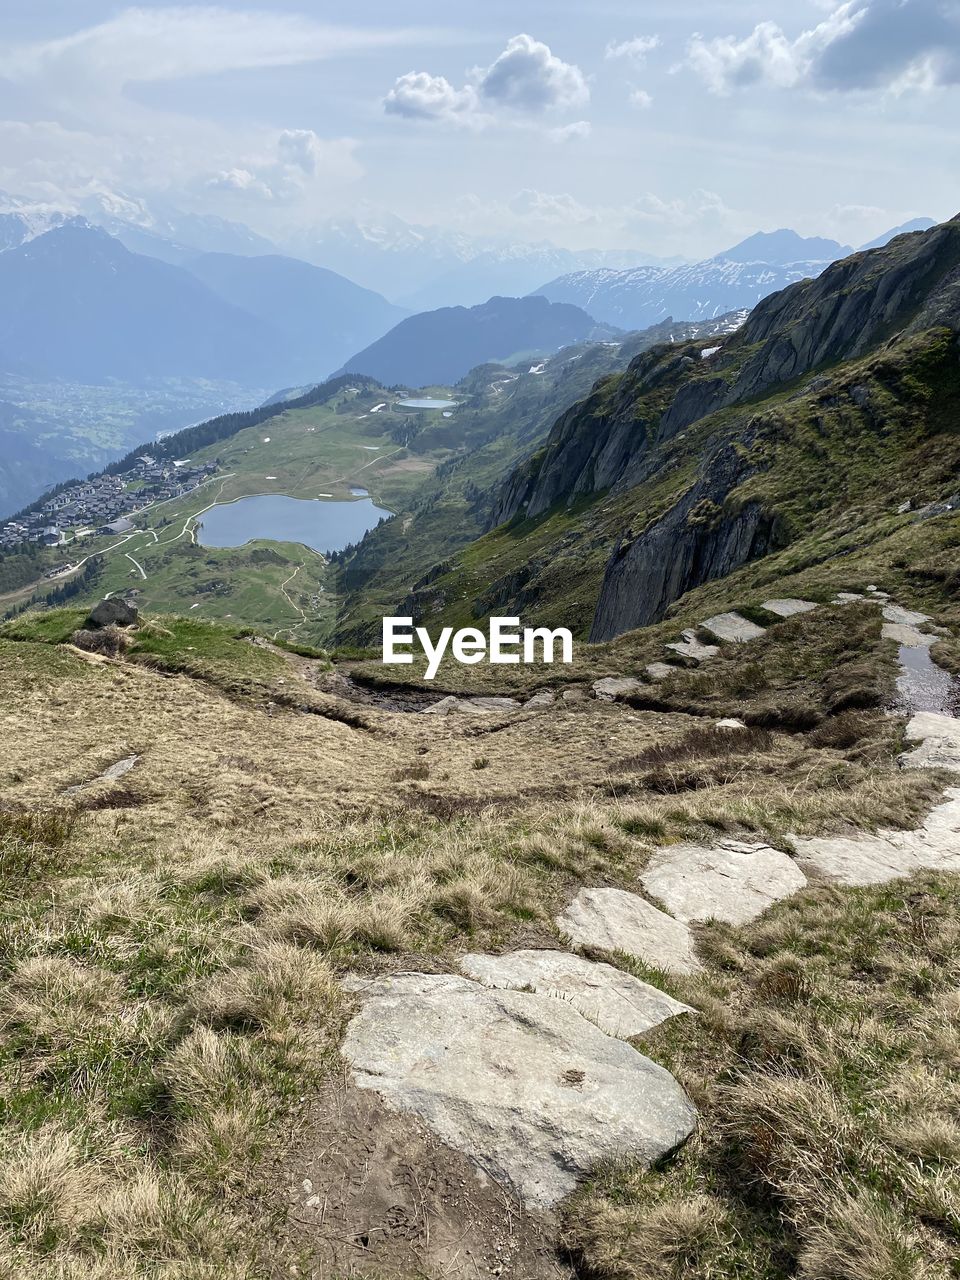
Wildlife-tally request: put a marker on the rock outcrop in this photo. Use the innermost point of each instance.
(522, 1083)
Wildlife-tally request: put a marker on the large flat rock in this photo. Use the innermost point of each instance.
(616, 920)
(939, 742)
(903, 617)
(788, 608)
(732, 628)
(909, 636)
(887, 855)
(731, 881)
(522, 1083)
(617, 1002)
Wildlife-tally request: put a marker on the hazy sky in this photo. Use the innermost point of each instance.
(673, 127)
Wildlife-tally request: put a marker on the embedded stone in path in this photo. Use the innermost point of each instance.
(660, 670)
(939, 742)
(545, 698)
(787, 608)
(732, 627)
(730, 881)
(729, 722)
(522, 1083)
(887, 855)
(691, 647)
(848, 597)
(616, 920)
(610, 688)
(618, 1003)
(909, 636)
(472, 706)
(903, 617)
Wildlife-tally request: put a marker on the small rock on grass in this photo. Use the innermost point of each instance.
(788, 608)
(732, 627)
(610, 688)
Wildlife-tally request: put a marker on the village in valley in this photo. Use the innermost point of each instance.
(103, 504)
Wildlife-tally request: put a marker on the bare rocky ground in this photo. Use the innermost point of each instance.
(375, 1192)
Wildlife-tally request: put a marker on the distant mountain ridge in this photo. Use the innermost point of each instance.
(738, 277)
(81, 305)
(439, 347)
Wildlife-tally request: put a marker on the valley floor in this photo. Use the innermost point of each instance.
(219, 859)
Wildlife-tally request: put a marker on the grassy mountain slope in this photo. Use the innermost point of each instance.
(502, 417)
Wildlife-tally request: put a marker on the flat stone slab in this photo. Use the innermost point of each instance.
(905, 635)
(887, 855)
(616, 920)
(939, 742)
(616, 1002)
(659, 671)
(471, 706)
(904, 617)
(114, 771)
(729, 722)
(610, 688)
(522, 1083)
(691, 647)
(787, 608)
(730, 881)
(732, 628)
(545, 698)
(848, 597)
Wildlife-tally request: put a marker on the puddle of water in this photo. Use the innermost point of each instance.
(922, 685)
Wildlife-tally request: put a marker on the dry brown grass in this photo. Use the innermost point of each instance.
(170, 969)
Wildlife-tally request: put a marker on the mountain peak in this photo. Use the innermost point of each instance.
(782, 247)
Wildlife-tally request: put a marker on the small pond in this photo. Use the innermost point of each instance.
(427, 404)
(324, 526)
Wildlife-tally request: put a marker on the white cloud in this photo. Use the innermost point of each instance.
(298, 161)
(528, 77)
(887, 45)
(640, 98)
(573, 132)
(526, 81)
(421, 96)
(167, 43)
(542, 206)
(636, 49)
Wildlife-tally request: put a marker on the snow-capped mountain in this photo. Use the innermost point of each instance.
(736, 278)
(158, 230)
(423, 268)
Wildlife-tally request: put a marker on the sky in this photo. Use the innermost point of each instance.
(671, 128)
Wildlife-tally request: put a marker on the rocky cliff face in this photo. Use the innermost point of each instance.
(910, 284)
(700, 538)
(615, 439)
